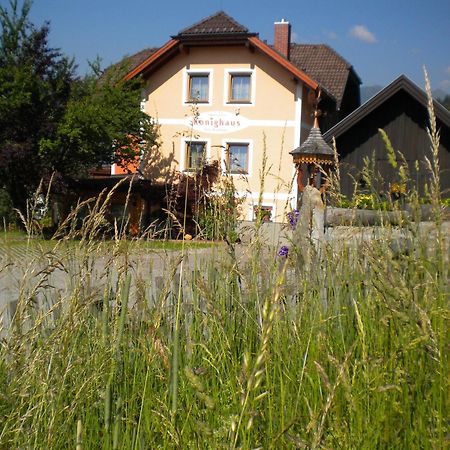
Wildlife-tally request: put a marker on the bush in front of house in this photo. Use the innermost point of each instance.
(6, 208)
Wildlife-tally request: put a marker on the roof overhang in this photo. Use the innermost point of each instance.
(212, 37)
(297, 73)
(312, 158)
(161, 55)
(172, 47)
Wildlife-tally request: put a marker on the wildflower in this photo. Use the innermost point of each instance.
(293, 217)
(398, 190)
(284, 251)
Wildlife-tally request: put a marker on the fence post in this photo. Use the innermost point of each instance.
(310, 238)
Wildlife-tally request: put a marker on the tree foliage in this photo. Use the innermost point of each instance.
(53, 121)
(35, 82)
(102, 124)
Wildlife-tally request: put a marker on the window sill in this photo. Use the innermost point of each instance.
(235, 174)
(239, 102)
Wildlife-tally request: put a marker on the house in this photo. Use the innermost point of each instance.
(400, 109)
(220, 93)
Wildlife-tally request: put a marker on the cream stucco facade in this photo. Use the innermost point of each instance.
(272, 119)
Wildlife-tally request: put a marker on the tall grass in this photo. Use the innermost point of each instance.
(260, 360)
(231, 349)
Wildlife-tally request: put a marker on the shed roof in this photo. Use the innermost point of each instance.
(399, 84)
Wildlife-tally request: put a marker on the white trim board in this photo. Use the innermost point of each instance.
(187, 121)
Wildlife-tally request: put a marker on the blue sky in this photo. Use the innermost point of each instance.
(381, 39)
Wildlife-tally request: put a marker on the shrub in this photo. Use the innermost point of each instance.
(6, 208)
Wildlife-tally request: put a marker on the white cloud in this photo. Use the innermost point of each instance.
(330, 35)
(362, 33)
(295, 37)
(447, 70)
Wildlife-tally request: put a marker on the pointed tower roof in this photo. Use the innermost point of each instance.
(219, 23)
(314, 149)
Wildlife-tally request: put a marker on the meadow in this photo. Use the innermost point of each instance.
(233, 346)
(242, 349)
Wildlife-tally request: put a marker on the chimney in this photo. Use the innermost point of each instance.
(282, 37)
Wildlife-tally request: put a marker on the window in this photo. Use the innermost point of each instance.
(198, 87)
(195, 155)
(237, 158)
(240, 87)
(262, 213)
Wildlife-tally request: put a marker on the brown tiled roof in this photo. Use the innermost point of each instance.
(151, 56)
(269, 51)
(218, 23)
(130, 62)
(318, 61)
(324, 65)
(140, 57)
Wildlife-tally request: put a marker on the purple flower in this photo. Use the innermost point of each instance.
(293, 218)
(283, 251)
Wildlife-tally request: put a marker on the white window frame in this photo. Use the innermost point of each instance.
(186, 84)
(183, 147)
(227, 86)
(223, 156)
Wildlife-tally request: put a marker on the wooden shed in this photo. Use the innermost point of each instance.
(400, 109)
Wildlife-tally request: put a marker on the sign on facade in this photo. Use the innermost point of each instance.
(218, 122)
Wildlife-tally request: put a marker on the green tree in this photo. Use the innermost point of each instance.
(102, 124)
(35, 83)
(51, 120)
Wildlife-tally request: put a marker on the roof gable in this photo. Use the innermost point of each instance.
(219, 23)
(399, 84)
(314, 64)
(217, 29)
(143, 60)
